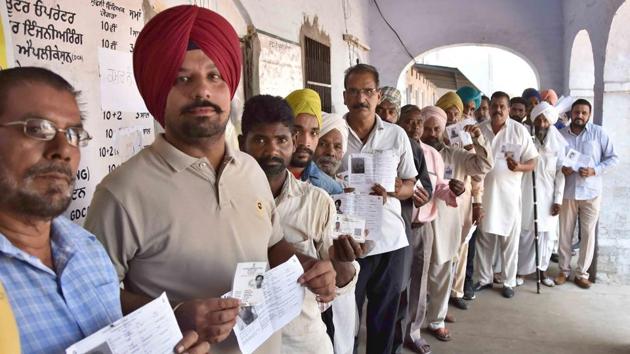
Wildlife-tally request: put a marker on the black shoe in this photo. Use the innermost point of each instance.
(459, 303)
(507, 292)
(469, 292)
(478, 287)
(555, 257)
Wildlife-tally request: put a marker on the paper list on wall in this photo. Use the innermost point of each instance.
(67, 38)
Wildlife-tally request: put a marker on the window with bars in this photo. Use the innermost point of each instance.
(317, 70)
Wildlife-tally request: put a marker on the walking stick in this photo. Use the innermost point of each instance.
(536, 228)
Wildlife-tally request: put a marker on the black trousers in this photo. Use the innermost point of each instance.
(470, 261)
(380, 281)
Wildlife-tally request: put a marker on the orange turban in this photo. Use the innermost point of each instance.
(161, 46)
(550, 96)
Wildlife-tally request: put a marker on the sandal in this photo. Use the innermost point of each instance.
(441, 334)
(420, 346)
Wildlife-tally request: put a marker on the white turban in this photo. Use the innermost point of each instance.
(332, 121)
(554, 141)
(546, 110)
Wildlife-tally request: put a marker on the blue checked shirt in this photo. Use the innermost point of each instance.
(592, 142)
(318, 178)
(54, 309)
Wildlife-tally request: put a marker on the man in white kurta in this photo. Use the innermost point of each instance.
(464, 165)
(514, 153)
(549, 191)
(333, 142)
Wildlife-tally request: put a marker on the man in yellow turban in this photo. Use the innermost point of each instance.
(307, 109)
(452, 104)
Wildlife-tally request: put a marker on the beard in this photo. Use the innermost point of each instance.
(541, 133)
(434, 143)
(329, 165)
(580, 125)
(299, 162)
(272, 166)
(26, 199)
(194, 127)
(201, 127)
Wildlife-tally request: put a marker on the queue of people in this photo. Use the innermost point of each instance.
(178, 216)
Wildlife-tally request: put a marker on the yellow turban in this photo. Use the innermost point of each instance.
(449, 100)
(306, 101)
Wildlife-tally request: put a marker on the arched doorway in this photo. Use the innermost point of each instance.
(582, 67)
(489, 68)
(614, 229)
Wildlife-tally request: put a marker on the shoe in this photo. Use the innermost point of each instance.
(420, 346)
(441, 334)
(469, 292)
(459, 303)
(478, 287)
(519, 281)
(555, 257)
(560, 279)
(548, 282)
(507, 292)
(496, 278)
(450, 318)
(582, 283)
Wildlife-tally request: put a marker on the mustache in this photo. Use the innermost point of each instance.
(327, 159)
(202, 104)
(266, 161)
(360, 105)
(52, 167)
(303, 148)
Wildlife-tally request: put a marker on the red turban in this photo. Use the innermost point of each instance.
(161, 46)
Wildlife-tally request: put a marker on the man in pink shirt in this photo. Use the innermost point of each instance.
(412, 120)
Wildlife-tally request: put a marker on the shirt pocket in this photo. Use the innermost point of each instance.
(306, 247)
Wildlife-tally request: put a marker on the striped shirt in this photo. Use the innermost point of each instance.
(54, 309)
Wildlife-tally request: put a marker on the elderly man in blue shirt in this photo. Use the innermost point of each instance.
(61, 284)
(582, 190)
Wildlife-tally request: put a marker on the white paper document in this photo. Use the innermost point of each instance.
(364, 206)
(576, 160)
(367, 169)
(457, 136)
(118, 84)
(150, 329)
(512, 151)
(346, 224)
(284, 297)
(248, 283)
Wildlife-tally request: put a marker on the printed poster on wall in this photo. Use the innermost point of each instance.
(89, 43)
(280, 66)
(6, 52)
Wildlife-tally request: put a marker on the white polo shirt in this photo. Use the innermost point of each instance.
(386, 136)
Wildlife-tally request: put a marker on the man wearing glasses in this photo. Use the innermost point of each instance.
(381, 276)
(58, 278)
